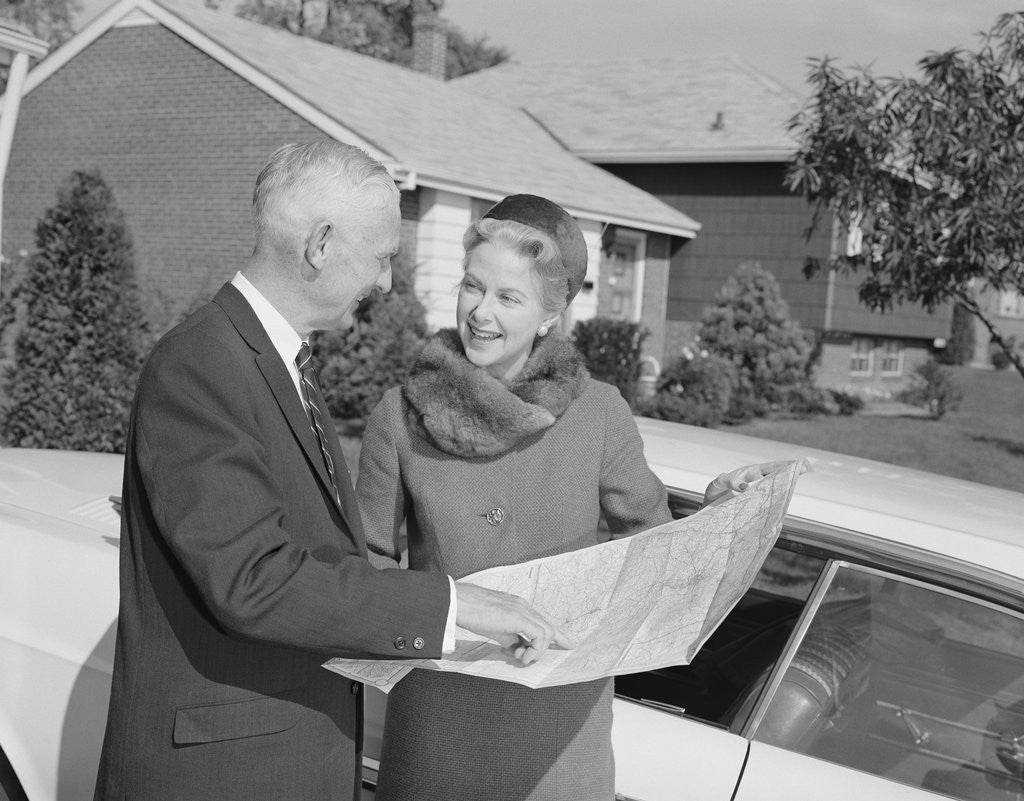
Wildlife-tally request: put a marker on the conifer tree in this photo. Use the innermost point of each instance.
(749, 324)
(78, 351)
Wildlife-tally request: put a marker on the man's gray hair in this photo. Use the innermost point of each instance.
(326, 178)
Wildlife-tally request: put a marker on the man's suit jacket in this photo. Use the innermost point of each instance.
(239, 574)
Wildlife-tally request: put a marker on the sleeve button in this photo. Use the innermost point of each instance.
(399, 643)
(418, 643)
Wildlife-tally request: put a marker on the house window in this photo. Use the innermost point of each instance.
(1011, 304)
(892, 357)
(621, 270)
(861, 356)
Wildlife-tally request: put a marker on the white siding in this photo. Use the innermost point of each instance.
(585, 305)
(443, 219)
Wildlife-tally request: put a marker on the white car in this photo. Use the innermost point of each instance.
(879, 654)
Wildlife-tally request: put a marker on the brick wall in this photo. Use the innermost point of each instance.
(178, 137)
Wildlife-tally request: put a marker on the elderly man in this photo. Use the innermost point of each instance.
(243, 562)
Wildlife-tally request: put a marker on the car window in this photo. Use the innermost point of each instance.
(908, 681)
(723, 680)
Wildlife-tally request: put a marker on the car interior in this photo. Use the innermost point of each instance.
(726, 676)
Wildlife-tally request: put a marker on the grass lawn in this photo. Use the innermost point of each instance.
(982, 441)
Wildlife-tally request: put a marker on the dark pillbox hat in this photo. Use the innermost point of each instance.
(557, 223)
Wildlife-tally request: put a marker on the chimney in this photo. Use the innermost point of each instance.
(429, 40)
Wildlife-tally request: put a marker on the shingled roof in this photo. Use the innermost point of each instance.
(655, 110)
(428, 132)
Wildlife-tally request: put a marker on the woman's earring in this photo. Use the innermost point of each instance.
(542, 330)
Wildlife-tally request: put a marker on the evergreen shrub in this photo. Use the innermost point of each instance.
(997, 355)
(81, 332)
(749, 324)
(932, 387)
(359, 365)
(612, 351)
(697, 389)
(846, 403)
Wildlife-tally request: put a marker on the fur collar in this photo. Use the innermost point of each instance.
(463, 410)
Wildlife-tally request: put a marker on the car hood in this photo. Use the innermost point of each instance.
(71, 486)
(969, 522)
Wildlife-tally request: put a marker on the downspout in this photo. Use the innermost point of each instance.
(9, 118)
(18, 46)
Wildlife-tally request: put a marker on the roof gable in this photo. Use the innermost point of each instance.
(425, 131)
(657, 110)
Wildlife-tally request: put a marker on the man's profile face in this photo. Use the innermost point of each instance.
(363, 262)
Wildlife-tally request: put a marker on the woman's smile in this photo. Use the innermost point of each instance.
(480, 335)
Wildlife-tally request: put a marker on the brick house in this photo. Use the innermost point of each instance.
(709, 135)
(178, 105)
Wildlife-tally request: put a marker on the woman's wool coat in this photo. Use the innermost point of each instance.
(486, 474)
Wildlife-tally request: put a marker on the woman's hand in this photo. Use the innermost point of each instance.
(728, 484)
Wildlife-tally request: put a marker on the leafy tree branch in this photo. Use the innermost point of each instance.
(929, 171)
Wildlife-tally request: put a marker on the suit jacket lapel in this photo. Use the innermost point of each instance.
(268, 360)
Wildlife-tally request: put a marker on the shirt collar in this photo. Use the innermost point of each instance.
(284, 338)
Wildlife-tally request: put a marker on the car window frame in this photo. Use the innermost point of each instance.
(829, 541)
(839, 546)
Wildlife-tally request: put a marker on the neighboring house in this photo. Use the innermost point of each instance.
(710, 135)
(1006, 310)
(179, 105)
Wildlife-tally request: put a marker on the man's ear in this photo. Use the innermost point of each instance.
(317, 242)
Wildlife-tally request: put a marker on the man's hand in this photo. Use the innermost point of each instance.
(509, 621)
(728, 484)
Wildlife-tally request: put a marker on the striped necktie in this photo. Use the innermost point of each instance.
(308, 382)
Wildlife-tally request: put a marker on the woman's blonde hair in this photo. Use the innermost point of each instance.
(530, 243)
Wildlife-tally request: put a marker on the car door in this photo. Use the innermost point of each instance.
(660, 754)
(845, 672)
(678, 732)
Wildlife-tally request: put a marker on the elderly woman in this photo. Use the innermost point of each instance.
(501, 448)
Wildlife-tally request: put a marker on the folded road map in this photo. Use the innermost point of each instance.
(633, 604)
